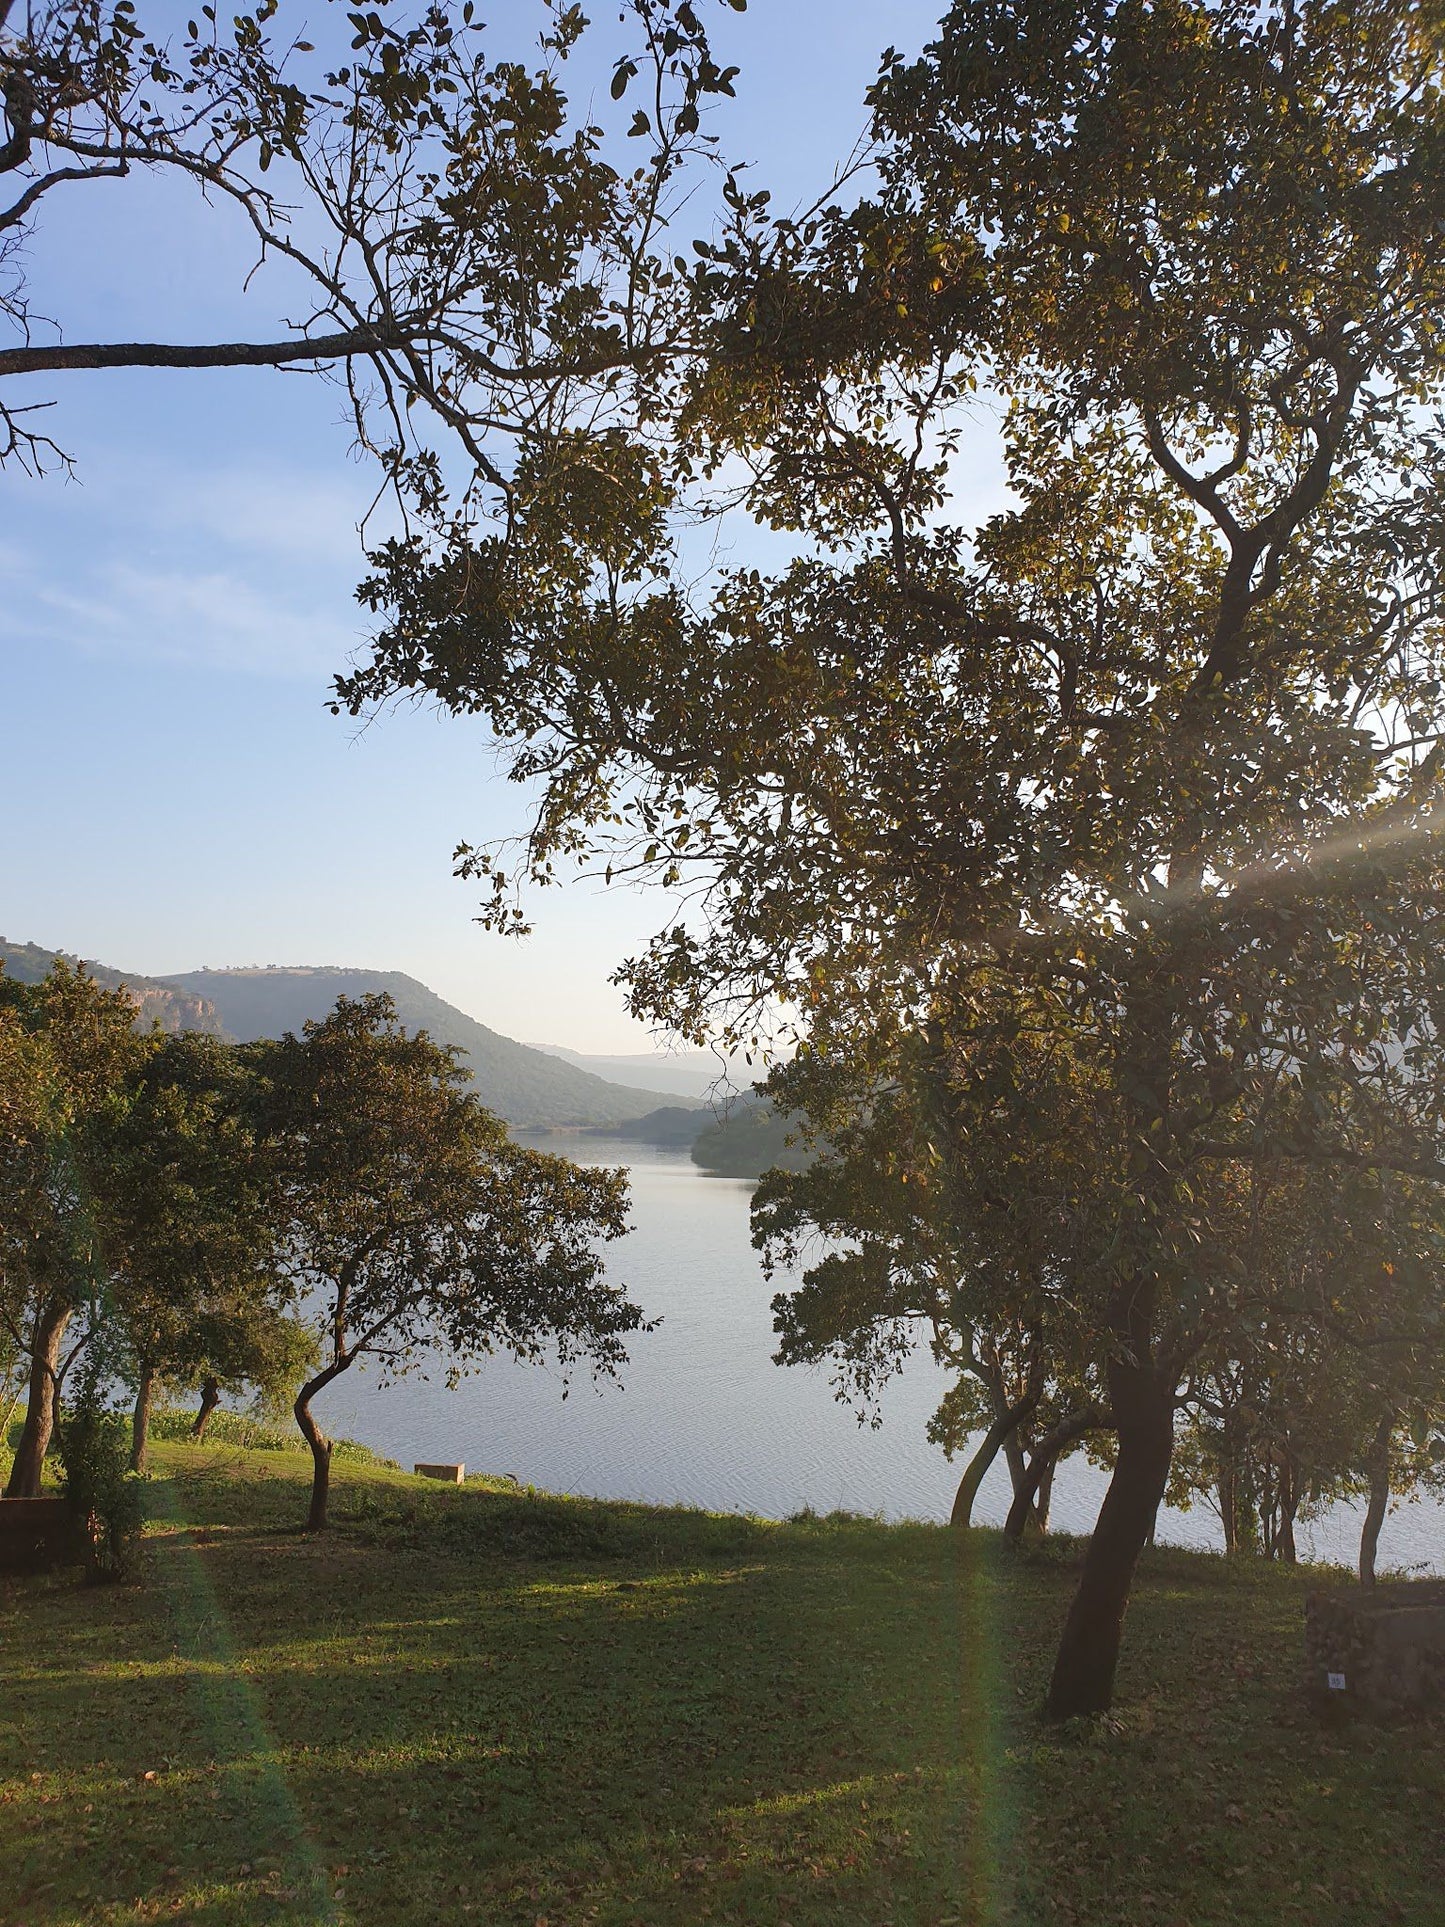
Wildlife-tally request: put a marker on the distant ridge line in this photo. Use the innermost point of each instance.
(527, 1088)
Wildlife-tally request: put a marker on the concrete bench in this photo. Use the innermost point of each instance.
(37, 1535)
(451, 1474)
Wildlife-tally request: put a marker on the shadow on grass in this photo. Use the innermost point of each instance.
(496, 1705)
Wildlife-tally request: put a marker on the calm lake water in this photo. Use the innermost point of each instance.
(703, 1416)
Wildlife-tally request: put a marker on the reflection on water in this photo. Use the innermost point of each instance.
(703, 1416)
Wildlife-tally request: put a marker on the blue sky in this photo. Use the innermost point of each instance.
(169, 621)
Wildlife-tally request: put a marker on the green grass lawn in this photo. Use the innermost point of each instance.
(494, 1706)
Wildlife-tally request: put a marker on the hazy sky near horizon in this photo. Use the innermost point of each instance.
(170, 620)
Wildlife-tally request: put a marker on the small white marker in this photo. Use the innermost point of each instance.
(1335, 1682)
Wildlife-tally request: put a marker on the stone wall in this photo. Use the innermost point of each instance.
(38, 1534)
(1377, 1650)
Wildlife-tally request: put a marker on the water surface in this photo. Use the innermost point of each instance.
(703, 1416)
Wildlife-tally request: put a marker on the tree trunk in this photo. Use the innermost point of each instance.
(1003, 1430)
(12, 1399)
(1288, 1512)
(24, 1482)
(1043, 1497)
(1047, 1454)
(320, 1448)
(1229, 1506)
(1143, 1410)
(341, 1360)
(1017, 1459)
(210, 1399)
(140, 1420)
(1379, 1468)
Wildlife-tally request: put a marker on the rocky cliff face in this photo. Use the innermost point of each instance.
(172, 1009)
(168, 1005)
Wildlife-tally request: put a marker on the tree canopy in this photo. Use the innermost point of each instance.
(1149, 764)
(412, 1224)
(190, 1206)
(468, 251)
(67, 1050)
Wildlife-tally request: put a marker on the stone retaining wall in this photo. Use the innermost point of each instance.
(37, 1534)
(1377, 1650)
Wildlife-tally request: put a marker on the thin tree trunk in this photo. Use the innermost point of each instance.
(1288, 1512)
(320, 1460)
(318, 1441)
(1088, 1656)
(24, 1482)
(1043, 1497)
(12, 1401)
(1000, 1433)
(210, 1399)
(1046, 1456)
(140, 1420)
(1229, 1506)
(1270, 1514)
(1379, 1468)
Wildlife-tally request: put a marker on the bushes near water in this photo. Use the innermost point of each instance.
(252, 1434)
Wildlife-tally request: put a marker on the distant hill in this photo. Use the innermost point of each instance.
(674, 1127)
(529, 1088)
(751, 1139)
(688, 1073)
(526, 1087)
(166, 1004)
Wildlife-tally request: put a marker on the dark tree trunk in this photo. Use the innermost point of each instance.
(973, 1477)
(320, 1445)
(1002, 1432)
(1379, 1468)
(1047, 1454)
(1017, 1459)
(1288, 1512)
(1229, 1506)
(140, 1420)
(24, 1482)
(1143, 1410)
(320, 1460)
(210, 1399)
(318, 1441)
(56, 1416)
(1043, 1498)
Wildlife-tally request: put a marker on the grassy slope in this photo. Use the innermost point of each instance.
(494, 1706)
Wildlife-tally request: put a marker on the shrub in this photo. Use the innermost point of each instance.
(252, 1434)
(105, 1494)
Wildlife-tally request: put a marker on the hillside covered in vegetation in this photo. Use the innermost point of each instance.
(527, 1088)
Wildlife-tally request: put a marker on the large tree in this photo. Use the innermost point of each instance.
(413, 1224)
(1160, 745)
(67, 1051)
(1329, 1381)
(908, 1235)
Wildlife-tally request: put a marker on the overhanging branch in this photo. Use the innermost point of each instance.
(221, 354)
